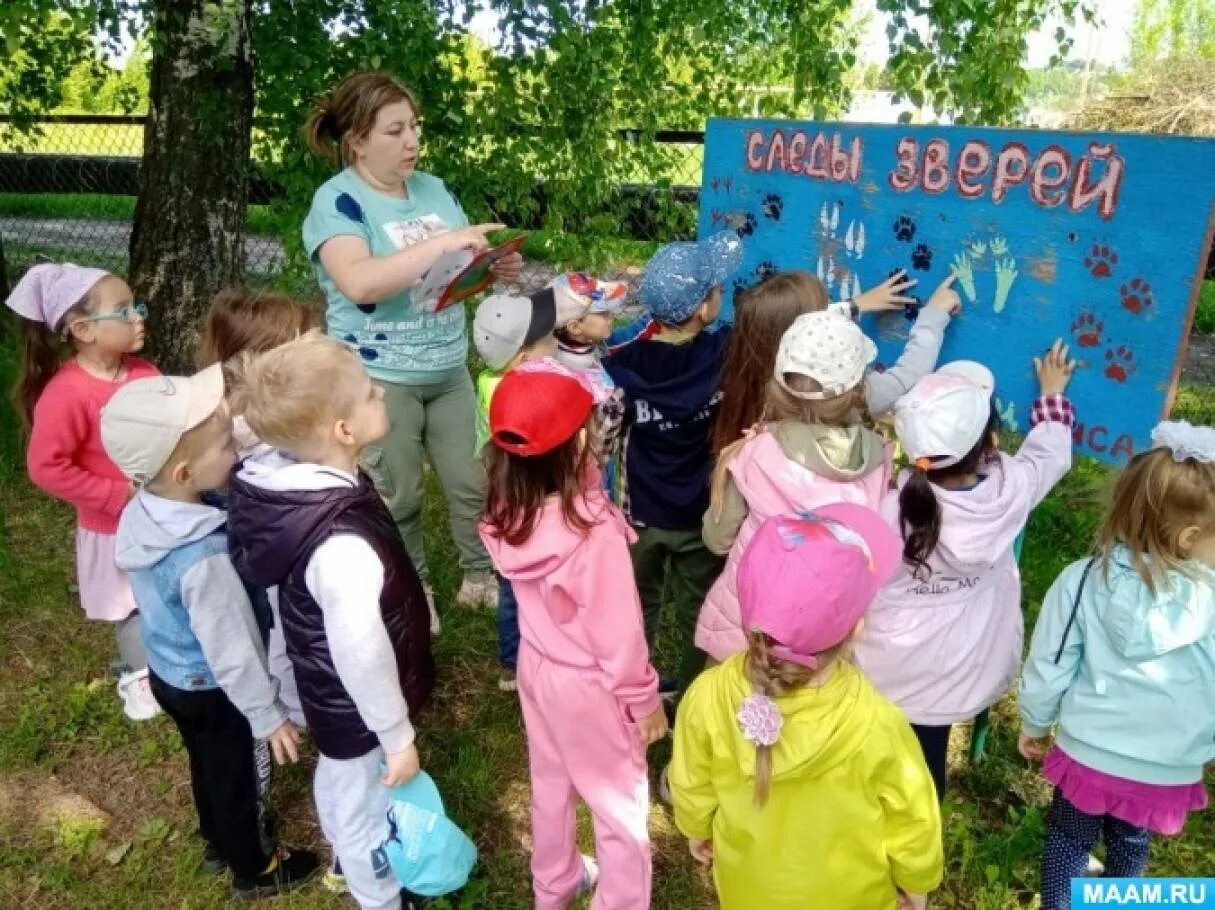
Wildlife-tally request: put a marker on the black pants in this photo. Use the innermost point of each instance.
(222, 773)
(934, 742)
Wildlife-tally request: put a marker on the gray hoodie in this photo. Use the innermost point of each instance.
(220, 614)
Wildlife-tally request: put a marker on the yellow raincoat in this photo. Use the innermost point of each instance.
(851, 814)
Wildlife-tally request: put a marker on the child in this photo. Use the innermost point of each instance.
(172, 437)
(813, 449)
(800, 784)
(586, 307)
(354, 613)
(60, 400)
(508, 332)
(243, 320)
(589, 695)
(943, 639)
(671, 382)
(765, 311)
(1122, 663)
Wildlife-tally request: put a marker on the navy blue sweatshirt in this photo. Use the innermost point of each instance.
(672, 392)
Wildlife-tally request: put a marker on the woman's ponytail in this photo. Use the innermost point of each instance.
(321, 131)
(919, 520)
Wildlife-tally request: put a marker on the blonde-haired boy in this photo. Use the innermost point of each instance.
(355, 616)
(172, 436)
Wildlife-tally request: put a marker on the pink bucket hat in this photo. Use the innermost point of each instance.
(805, 580)
(50, 289)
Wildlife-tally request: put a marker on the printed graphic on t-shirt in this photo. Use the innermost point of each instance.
(405, 234)
(392, 337)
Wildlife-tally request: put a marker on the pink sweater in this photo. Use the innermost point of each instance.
(578, 604)
(65, 455)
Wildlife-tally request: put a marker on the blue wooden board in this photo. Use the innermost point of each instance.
(1099, 239)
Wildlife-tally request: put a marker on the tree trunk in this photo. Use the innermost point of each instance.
(4, 285)
(188, 239)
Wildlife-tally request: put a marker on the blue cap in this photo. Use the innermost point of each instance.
(427, 852)
(680, 275)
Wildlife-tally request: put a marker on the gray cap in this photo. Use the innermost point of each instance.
(505, 324)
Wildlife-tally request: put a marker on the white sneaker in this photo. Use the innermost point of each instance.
(590, 876)
(435, 626)
(138, 703)
(483, 593)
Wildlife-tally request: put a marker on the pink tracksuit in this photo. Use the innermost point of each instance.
(584, 680)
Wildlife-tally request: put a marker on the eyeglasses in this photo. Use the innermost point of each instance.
(137, 310)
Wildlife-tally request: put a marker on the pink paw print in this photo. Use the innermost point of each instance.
(1137, 296)
(1101, 260)
(1087, 330)
(1120, 363)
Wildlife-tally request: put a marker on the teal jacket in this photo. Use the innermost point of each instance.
(1131, 688)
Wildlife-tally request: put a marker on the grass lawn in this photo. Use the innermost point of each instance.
(96, 811)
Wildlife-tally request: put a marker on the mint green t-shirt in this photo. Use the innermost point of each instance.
(396, 340)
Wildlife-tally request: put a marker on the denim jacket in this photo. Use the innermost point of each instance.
(199, 627)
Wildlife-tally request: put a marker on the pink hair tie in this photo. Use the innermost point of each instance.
(760, 719)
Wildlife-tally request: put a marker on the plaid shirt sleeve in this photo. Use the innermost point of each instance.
(1054, 408)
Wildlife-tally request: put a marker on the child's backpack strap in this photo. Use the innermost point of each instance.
(1075, 608)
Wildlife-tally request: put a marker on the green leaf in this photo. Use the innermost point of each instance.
(116, 855)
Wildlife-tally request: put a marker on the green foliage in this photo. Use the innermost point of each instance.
(1172, 29)
(964, 57)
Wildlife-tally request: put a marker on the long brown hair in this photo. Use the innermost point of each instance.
(1155, 499)
(43, 350)
(243, 320)
(349, 112)
(848, 409)
(772, 676)
(519, 485)
(762, 314)
(919, 511)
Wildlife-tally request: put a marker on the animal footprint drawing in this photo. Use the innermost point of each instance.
(1087, 330)
(839, 257)
(1006, 274)
(772, 207)
(1120, 363)
(962, 267)
(904, 229)
(1137, 296)
(921, 257)
(742, 223)
(1007, 412)
(765, 269)
(1101, 260)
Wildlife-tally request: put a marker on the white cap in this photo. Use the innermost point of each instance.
(505, 324)
(828, 347)
(145, 419)
(944, 415)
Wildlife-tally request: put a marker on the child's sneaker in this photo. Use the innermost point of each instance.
(138, 703)
(290, 870)
(478, 592)
(212, 861)
(334, 881)
(507, 681)
(590, 876)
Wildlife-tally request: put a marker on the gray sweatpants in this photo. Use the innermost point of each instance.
(435, 422)
(352, 807)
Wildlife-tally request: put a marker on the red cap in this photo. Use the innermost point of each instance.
(533, 412)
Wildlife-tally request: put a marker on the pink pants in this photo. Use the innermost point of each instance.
(580, 744)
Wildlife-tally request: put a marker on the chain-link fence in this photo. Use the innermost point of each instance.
(67, 192)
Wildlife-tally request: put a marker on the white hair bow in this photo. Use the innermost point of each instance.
(1185, 440)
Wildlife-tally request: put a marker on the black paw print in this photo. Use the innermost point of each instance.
(921, 257)
(766, 269)
(740, 286)
(912, 310)
(745, 224)
(773, 205)
(904, 228)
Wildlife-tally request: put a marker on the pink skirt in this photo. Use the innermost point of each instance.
(1158, 807)
(105, 592)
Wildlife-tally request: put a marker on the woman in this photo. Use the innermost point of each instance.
(373, 231)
